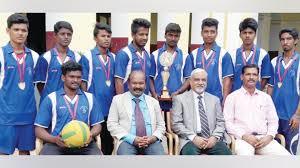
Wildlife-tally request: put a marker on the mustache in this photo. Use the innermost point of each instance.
(138, 89)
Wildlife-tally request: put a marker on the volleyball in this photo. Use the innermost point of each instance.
(75, 134)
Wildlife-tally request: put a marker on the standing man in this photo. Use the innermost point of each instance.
(250, 116)
(17, 102)
(48, 70)
(285, 86)
(176, 83)
(134, 56)
(249, 53)
(62, 106)
(214, 59)
(135, 120)
(101, 77)
(198, 119)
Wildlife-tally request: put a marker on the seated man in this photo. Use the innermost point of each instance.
(250, 116)
(135, 120)
(198, 120)
(62, 106)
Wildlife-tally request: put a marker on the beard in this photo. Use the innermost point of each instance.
(200, 90)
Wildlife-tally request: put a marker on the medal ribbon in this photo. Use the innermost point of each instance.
(72, 112)
(59, 55)
(21, 66)
(210, 61)
(244, 55)
(140, 57)
(281, 78)
(106, 72)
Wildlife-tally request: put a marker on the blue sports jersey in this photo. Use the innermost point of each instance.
(17, 106)
(48, 70)
(97, 78)
(54, 110)
(286, 95)
(127, 60)
(218, 66)
(176, 70)
(261, 59)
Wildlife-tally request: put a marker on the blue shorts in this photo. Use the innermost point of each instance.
(21, 137)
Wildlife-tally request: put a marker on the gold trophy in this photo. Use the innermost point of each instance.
(166, 60)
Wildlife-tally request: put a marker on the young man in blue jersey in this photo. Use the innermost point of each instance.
(134, 56)
(284, 86)
(214, 59)
(17, 102)
(48, 69)
(101, 83)
(177, 82)
(249, 53)
(62, 106)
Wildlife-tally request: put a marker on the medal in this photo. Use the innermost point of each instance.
(21, 85)
(21, 70)
(72, 112)
(106, 72)
(210, 60)
(279, 84)
(108, 83)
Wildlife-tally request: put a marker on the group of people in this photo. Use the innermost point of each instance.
(214, 92)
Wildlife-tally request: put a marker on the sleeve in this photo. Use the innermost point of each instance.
(229, 118)
(266, 67)
(227, 66)
(96, 115)
(188, 66)
(129, 138)
(220, 122)
(271, 81)
(121, 63)
(153, 66)
(44, 116)
(272, 118)
(84, 62)
(41, 69)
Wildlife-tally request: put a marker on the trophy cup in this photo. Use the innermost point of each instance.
(166, 61)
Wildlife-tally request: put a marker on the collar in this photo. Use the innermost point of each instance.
(10, 49)
(142, 97)
(195, 94)
(247, 93)
(69, 52)
(61, 91)
(214, 47)
(132, 48)
(164, 48)
(280, 56)
(96, 51)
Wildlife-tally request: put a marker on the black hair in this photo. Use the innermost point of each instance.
(250, 66)
(70, 66)
(139, 22)
(292, 31)
(209, 22)
(17, 18)
(62, 24)
(248, 23)
(101, 26)
(173, 27)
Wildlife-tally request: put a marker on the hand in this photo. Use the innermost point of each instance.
(141, 142)
(251, 139)
(200, 142)
(151, 139)
(175, 94)
(294, 122)
(211, 142)
(263, 141)
(89, 141)
(59, 142)
(155, 96)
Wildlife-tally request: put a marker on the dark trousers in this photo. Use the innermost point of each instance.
(220, 148)
(53, 149)
(291, 136)
(107, 144)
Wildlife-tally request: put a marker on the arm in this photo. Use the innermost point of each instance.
(295, 120)
(84, 86)
(160, 122)
(152, 88)
(119, 85)
(185, 86)
(45, 136)
(40, 87)
(263, 83)
(227, 85)
(271, 117)
(40, 73)
(95, 131)
(227, 74)
(266, 71)
(220, 122)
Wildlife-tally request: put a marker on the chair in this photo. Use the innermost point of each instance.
(39, 144)
(280, 137)
(175, 138)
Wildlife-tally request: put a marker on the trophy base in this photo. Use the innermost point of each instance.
(165, 95)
